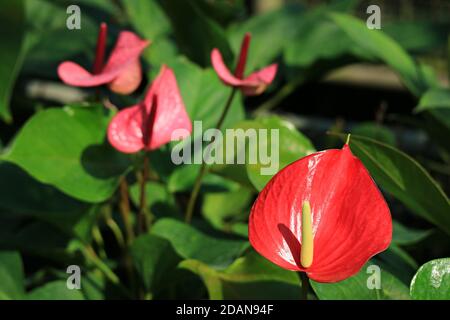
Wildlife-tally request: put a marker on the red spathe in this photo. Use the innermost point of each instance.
(150, 124)
(122, 72)
(252, 85)
(350, 218)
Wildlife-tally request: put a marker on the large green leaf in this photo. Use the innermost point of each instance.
(46, 28)
(158, 199)
(66, 148)
(11, 276)
(25, 197)
(224, 208)
(398, 262)
(384, 48)
(157, 29)
(290, 146)
(437, 123)
(437, 98)
(375, 131)
(432, 281)
(402, 235)
(287, 28)
(276, 28)
(139, 12)
(12, 31)
(154, 260)
(404, 178)
(38, 239)
(190, 243)
(204, 95)
(55, 290)
(419, 36)
(320, 39)
(249, 277)
(188, 23)
(361, 287)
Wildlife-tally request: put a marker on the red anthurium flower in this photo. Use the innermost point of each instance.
(323, 215)
(252, 85)
(122, 72)
(150, 124)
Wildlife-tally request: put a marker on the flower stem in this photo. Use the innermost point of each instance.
(203, 168)
(125, 210)
(305, 285)
(92, 256)
(142, 220)
(115, 229)
(347, 141)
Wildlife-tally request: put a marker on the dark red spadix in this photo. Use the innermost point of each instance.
(254, 84)
(122, 72)
(151, 123)
(323, 215)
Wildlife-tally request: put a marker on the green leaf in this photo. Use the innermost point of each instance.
(375, 131)
(362, 286)
(320, 39)
(405, 179)
(276, 28)
(286, 28)
(291, 146)
(249, 277)
(154, 260)
(437, 124)
(384, 48)
(12, 31)
(46, 28)
(398, 262)
(66, 148)
(11, 276)
(432, 281)
(203, 94)
(190, 243)
(418, 36)
(138, 14)
(434, 99)
(157, 29)
(405, 236)
(25, 197)
(223, 208)
(36, 238)
(55, 290)
(158, 199)
(188, 22)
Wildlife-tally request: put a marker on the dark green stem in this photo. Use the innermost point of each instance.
(203, 168)
(125, 210)
(305, 285)
(142, 220)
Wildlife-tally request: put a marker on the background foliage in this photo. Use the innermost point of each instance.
(59, 179)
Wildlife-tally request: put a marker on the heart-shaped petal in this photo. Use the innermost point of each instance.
(351, 221)
(122, 59)
(258, 81)
(152, 123)
(128, 80)
(222, 70)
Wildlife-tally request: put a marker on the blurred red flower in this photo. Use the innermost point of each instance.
(323, 215)
(255, 84)
(150, 124)
(122, 73)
